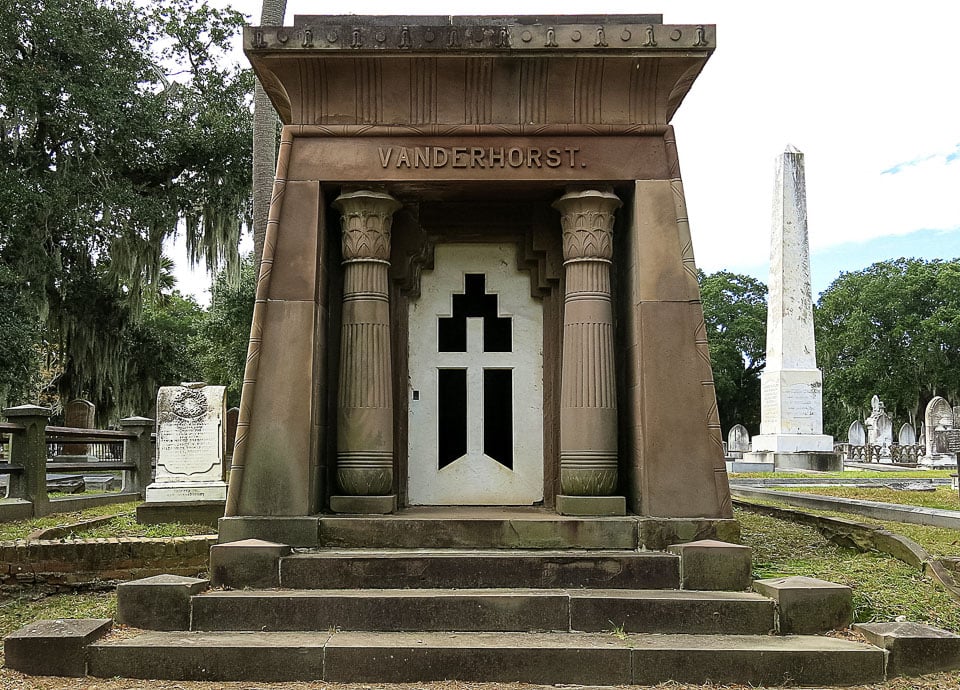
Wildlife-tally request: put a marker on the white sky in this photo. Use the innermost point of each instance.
(860, 87)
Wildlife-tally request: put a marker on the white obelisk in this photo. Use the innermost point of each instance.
(791, 386)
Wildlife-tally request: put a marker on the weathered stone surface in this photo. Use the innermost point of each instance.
(449, 568)
(708, 564)
(483, 529)
(364, 505)
(295, 531)
(670, 611)
(591, 505)
(913, 649)
(547, 658)
(658, 533)
(383, 610)
(246, 563)
(750, 660)
(53, 647)
(204, 656)
(492, 657)
(807, 605)
(158, 603)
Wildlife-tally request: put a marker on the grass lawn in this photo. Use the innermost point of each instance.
(883, 587)
(124, 525)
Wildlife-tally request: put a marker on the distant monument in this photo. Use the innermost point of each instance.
(791, 423)
(191, 442)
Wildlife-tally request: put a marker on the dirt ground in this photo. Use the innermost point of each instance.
(10, 680)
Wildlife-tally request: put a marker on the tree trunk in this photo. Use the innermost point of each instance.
(264, 141)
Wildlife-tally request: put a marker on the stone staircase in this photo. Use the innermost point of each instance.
(446, 603)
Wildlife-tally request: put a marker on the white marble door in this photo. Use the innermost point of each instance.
(476, 381)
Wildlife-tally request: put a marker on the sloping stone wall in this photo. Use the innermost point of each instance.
(55, 565)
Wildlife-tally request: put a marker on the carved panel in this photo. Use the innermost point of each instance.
(478, 88)
(588, 90)
(533, 91)
(423, 91)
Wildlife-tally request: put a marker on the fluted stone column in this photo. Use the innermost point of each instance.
(588, 398)
(365, 402)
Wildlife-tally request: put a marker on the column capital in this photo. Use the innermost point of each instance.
(365, 220)
(587, 218)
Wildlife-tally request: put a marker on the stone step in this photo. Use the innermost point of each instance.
(548, 658)
(660, 611)
(461, 568)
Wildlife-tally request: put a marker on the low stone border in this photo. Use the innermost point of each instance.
(863, 537)
(54, 565)
(874, 509)
(62, 531)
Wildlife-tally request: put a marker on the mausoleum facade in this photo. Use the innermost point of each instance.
(478, 285)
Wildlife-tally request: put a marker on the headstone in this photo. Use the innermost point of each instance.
(191, 438)
(78, 414)
(857, 434)
(791, 386)
(879, 428)
(738, 441)
(942, 437)
(907, 435)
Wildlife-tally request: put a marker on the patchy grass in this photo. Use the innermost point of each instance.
(883, 587)
(943, 497)
(124, 525)
(22, 609)
(938, 541)
(848, 474)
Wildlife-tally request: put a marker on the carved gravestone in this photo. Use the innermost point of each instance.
(879, 428)
(191, 439)
(857, 434)
(78, 414)
(738, 441)
(907, 435)
(942, 437)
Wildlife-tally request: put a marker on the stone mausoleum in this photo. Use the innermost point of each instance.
(478, 286)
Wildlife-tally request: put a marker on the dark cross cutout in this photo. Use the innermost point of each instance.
(474, 302)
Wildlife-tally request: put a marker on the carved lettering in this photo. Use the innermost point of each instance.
(478, 157)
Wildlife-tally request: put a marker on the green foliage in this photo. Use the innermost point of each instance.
(106, 154)
(944, 497)
(20, 329)
(735, 312)
(893, 330)
(220, 347)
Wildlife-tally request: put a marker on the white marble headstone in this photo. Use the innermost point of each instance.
(191, 440)
(857, 435)
(738, 439)
(907, 435)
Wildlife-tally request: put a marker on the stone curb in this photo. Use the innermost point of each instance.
(866, 538)
(874, 509)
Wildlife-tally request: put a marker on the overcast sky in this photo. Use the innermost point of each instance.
(866, 90)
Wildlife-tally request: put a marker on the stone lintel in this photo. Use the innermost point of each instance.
(379, 35)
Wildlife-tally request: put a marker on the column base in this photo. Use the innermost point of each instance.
(591, 505)
(364, 505)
